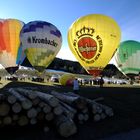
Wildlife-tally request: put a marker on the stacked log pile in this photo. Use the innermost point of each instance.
(22, 106)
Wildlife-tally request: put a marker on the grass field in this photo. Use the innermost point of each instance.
(124, 99)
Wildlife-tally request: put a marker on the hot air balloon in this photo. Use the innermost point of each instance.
(41, 41)
(127, 58)
(67, 79)
(10, 43)
(21, 55)
(93, 39)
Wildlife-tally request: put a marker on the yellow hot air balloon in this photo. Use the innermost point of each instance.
(67, 79)
(93, 39)
(10, 43)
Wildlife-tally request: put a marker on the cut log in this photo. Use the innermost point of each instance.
(36, 101)
(15, 117)
(65, 126)
(49, 116)
(71, 94)
(2, 97)
(26, 104)
(23, 120)
(68, 107)
(85, 110)
(100, 108)
(7, 120)
(103, 116)
(68, 110)
(46, 129)
(58, 110)
(4, 109)
(68, 113)
(80, 117)
(66, 98)
(86, 117)
(41, 104)
(49, 99)
(97, 117)
(33, 121)
(46, 108)
(29, 88)
(108, 110)
(16, 107)
(96, 108)
(27, 92)
(32, 113)
(78, 102)
(11, 99)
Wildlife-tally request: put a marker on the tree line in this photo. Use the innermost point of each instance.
(75, 67)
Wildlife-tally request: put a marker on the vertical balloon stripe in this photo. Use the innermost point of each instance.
(6, 35)
(21, 55)
(2, 46)
(12, 28)
(19, 26)
(15, 27)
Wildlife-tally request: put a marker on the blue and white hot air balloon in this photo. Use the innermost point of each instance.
(41, 42)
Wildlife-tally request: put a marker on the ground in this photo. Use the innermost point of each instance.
(124, 101)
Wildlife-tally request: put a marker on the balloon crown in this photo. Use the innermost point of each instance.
(85, 31)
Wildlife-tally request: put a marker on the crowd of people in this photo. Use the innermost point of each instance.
(91, 82)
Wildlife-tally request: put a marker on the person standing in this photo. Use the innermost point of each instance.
(101, 82)
(76, 86)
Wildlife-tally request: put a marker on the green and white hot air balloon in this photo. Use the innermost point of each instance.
(127, 58)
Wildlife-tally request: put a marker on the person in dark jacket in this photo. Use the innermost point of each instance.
(101, 82)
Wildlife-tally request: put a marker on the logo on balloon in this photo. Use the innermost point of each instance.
(45, 40)
(88, 45)
(29, 40)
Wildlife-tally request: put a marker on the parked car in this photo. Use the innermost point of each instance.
(55, 78)
(12, 78)
(37, 79)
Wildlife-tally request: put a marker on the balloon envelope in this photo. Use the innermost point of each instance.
(10, 43)
(93, 39)
(21, 55)
(41, 41)
(66, 79)
(127, 57)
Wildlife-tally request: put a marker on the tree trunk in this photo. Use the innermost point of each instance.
(65, 126)
(16, 107)
(23, 120)
(32, 113)
(4, 109)
(77, 101)
(26, 104)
